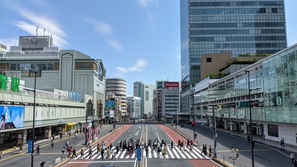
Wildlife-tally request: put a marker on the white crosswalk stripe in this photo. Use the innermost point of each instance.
(172, 153)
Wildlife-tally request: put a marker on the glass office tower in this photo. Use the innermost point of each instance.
(235, 26)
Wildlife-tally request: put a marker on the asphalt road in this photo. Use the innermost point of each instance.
(174, 157)
(265, 155)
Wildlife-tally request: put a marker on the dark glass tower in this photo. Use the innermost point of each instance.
(236, 26)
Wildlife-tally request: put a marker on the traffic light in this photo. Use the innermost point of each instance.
(193, 123)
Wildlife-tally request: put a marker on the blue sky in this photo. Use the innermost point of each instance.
(138, 40)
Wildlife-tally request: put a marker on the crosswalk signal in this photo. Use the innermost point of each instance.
(193, 123)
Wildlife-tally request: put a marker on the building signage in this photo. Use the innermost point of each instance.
(11, 117)
(171, 84)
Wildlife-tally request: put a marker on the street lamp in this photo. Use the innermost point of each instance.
(34, 105)
(251, 121)
(214, 133)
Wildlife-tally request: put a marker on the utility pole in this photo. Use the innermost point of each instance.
(214, 133)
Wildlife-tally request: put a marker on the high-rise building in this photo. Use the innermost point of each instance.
(145, 92)
(229, 26)
(232, 26)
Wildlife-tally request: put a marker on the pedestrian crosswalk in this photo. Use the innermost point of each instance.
(172, 153)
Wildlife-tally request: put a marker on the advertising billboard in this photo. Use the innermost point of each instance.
(171, 84)
(11, 117)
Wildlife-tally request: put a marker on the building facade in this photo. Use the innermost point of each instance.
(271, 83)
(230, 26)
(166, 101)
(40, 65)
(145, 92)
(117, 87)
(134, 107)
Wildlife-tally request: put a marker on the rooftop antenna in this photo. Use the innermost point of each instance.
(44, 32)
(37, 30)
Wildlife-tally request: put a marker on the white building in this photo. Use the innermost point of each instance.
(134, 106)
(146, 93)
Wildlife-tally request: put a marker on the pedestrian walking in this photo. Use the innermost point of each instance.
(52, 143)
(74, 153)
(90, 151)
(164, 151)
(282, 142)
(63, 150)
(248, 138)
(237, 152)
(102, 153)
(69, 151)
(0, 154)
(67, 144)
(38, 150)
(209, 151)
(292, 156)
(42, 164)
(232, 152)
(14, 146)
(61, 136)
(171, 144)
(82, 153)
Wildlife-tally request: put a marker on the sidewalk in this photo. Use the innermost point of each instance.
(8, 150)
(259, 139)
(223, 152)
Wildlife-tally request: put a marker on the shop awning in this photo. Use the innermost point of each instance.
(71, 124)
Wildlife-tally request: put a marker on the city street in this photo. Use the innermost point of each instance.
(265, 155)
(174, 156)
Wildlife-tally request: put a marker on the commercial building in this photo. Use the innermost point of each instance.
(145, 92)
(134, 107)
(271, 83)
(230, 26)
(68, 73)
(166, 102)
(116, 91)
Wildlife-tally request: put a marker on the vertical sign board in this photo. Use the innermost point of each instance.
(138, 154)
(30, 146)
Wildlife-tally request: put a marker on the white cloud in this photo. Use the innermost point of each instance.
(146, 3)
(138, 66)
(10, 42)
(115, 44)
(32, 20)
(31, 29)
(102, 28)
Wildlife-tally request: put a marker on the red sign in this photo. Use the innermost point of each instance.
(171, 84)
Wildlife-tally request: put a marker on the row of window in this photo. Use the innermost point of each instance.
(30, 67)
(240, 3)
(250, 24)
(250, 45)
(235, 31)
(239, 38)
(232, 11)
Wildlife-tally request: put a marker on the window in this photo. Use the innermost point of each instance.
(262, 10)
(274, 10)
(208, 59)
(272, 130)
